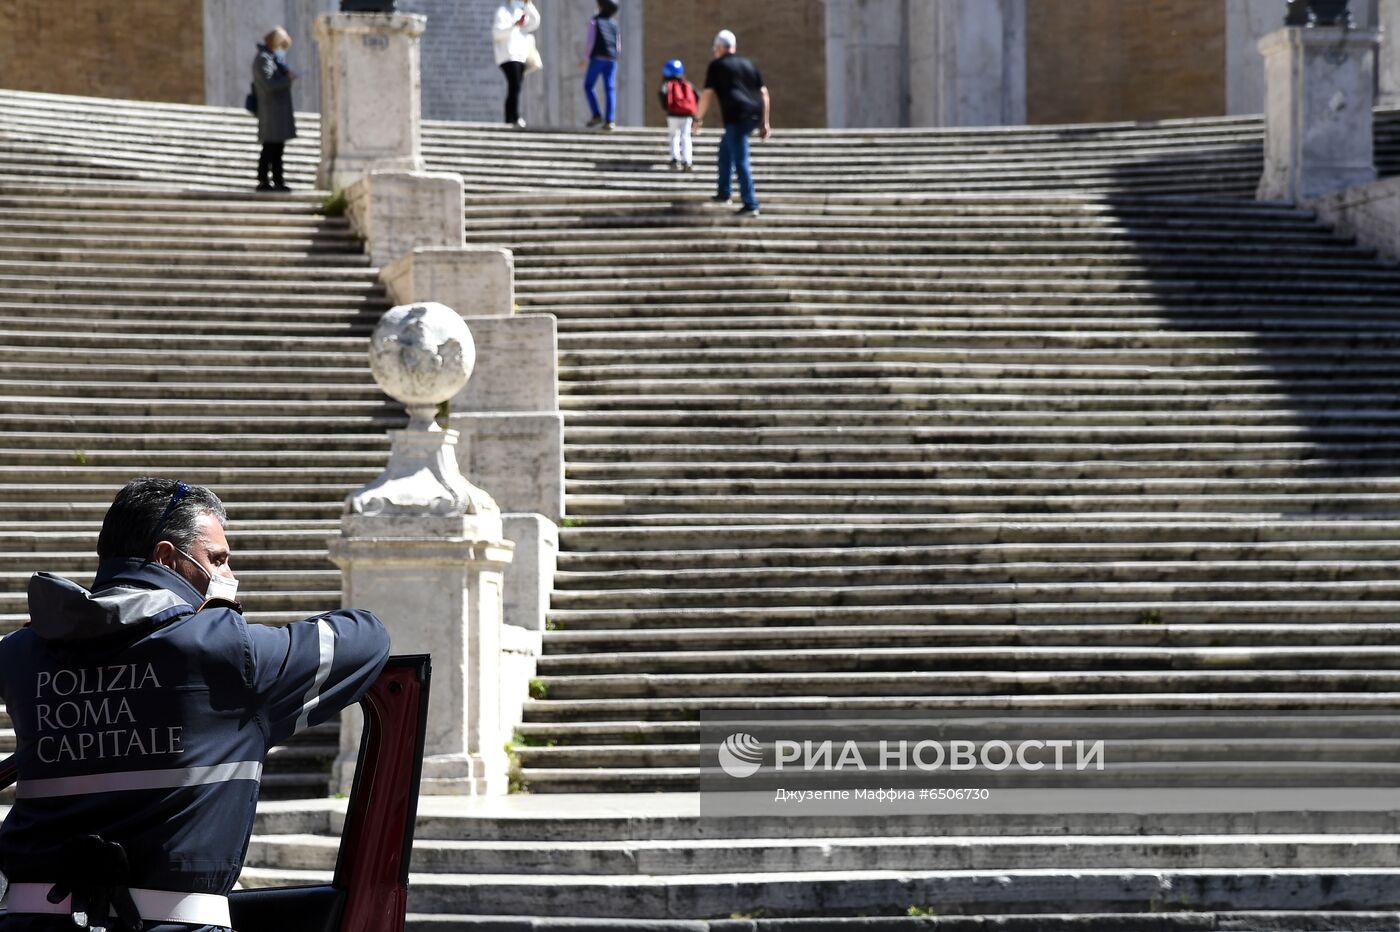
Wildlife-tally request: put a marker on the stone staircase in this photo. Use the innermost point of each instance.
(1091, 451)
(1049, 418)
(150, 324)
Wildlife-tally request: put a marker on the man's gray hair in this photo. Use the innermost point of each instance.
(147, 511)
(726, 39)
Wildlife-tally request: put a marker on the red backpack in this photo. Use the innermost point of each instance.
(680, 98)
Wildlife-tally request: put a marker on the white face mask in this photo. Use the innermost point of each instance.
(220, 587)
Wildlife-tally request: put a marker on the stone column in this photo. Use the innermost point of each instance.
(426, 550)
(966, 62)
(1388, 64)
(1317, 118)
(370, 95)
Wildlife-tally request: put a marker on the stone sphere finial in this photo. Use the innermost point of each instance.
(422, 355)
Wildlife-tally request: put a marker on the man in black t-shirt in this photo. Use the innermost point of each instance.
(744, 105)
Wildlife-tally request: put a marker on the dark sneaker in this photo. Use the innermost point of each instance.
(264, 186)
(675, 164)
(688, 167)
(281, 189)
(746, 212)
(720, 199)
(595, 121)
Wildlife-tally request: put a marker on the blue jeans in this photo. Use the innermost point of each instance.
(606, 69)
(734, 159)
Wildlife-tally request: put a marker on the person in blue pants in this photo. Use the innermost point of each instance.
(744, 103)
(604, 44)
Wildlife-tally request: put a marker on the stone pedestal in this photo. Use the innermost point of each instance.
(477, 280)
(520, 453)
(370, 95)
(426, 550)
(398, 212)
(1317, 121)
(438, 584)
(509, 414)
(1388, 59)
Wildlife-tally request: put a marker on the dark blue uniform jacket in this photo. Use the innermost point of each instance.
(146, 721)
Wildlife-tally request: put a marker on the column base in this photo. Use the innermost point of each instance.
(464, 775)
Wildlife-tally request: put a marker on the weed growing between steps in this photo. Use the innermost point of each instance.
(334, 205)
(515, 783)
(539, 689)
(530, 741)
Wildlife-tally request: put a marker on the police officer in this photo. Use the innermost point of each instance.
(143, 711)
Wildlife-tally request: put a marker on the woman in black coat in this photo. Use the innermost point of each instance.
(272, 84)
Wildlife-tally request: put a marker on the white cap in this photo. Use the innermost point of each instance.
(726, 38)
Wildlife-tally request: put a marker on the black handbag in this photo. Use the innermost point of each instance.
(250, 103)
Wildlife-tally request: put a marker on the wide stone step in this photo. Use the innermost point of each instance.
(1152, 245)
(851, 468)
(594, 585)
(781, 217)
(131, 365)
(1053, 209)
(914, 532)
(253, 424)
(246, 324)
(1341, 635)
(64, 274)
(1135, 763)
(588, 507)
(603, 345)
(154, 402)
(729, 856)
(31, 508)
(235, 393)
(1238, 367)
(836, 413)
(1288, 359)
(331, 463)
(561, 673)
(584, 492)
(274, 567)
(579, 566)
(933, 239)
(949, 450)
(963, 281)
(1142, 611)
(297, 491)
(241, 244)
(285, 299)
(1043, 890)
(929, 588)
(184, 259)
(78, 441)
(1201, 429)
(957, 382)
(1237, 673)
(542, 714)
(607, 263)
(585, 408)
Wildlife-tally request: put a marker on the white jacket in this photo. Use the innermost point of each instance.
(512, 41)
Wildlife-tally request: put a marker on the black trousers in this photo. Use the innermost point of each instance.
(515, 75)
(270, 163)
